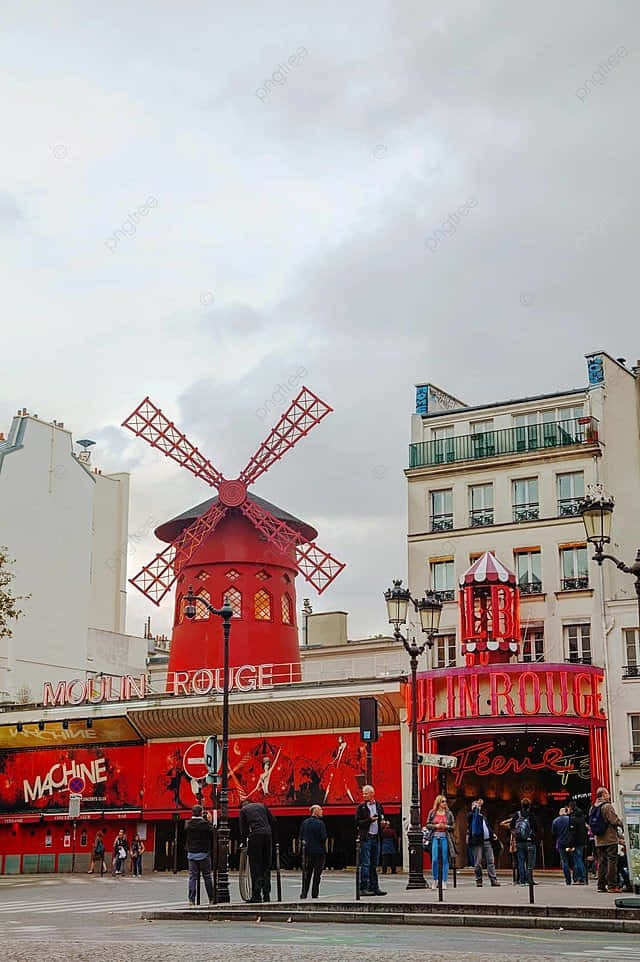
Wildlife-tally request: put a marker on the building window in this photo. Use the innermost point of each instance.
(202, 612)
(529, 571)
(578, 643)
(575, 568)
(483, 439)
(442, 510)
(635, 738)
(533, 644)
(232, 574)
(287, 610)
(444, 653)
(444, 444)
(555, 426)
(262, 605)
(234, 598)
(632, 653)
(443, 580)
(525, 499)
(570, 488)
(480, 505)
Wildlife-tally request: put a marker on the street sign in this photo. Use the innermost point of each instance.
(438, 761)
(74, 806)
(211, 755)
(76, 785)
(193, 761)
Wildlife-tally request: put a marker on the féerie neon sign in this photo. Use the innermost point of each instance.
(480, 760)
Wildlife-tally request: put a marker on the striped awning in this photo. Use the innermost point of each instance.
(487, 569)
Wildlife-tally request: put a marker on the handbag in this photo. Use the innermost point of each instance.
(122, 852)
(427, 840)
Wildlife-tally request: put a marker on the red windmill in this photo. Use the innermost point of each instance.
(235, 545)
(489, 611)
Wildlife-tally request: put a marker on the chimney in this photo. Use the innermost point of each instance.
(621, 360)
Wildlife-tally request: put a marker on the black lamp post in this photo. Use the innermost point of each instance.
(226, 613)
(597, 515)
(430, 609)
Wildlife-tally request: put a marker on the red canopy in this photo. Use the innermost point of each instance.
(487, 568)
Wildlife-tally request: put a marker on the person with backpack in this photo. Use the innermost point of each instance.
(578, 837)
(525, 830)
(480, 837)
(97, 854)
(604, 823)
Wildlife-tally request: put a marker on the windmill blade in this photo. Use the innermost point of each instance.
(156, 579)
(304, 412)
(316, 565)
(148, 422)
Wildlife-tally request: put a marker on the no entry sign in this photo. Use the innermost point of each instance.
(194, 761)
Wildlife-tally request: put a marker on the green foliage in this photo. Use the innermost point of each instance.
(9, 610)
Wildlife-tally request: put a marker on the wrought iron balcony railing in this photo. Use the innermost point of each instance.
(491, 444)
(579, 659)
(526, 512)
(481, 517)
(446, 594)
(442, 522)
(574, 584)
(530, 587)
(631, 671)
(635, 757)
(569, 507)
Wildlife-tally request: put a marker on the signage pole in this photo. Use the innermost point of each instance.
(73, 850)
(369, 763)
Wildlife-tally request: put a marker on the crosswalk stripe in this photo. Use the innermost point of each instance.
(75, 907)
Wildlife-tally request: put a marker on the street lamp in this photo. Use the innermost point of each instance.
(597, 515)
(226, 613)
(429, 608)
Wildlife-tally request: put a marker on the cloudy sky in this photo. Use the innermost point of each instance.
(291, 223)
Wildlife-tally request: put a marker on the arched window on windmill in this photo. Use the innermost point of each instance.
(202, 612)
(234, 597)
(287, 609)
(262, 605)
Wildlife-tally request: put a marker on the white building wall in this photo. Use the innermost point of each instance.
(107, 603)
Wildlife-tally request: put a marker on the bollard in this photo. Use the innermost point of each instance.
(304, 864)
(278, 879)
(357, 866)
(454, 868)
(530, 868)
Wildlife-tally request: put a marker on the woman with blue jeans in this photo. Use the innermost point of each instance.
(440, 822)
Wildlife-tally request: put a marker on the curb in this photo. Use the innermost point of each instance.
(503, 916)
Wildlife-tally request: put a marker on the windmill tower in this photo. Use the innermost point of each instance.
(235, 546)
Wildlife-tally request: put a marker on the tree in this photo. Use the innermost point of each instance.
(9, 610)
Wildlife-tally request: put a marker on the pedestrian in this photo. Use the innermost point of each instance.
(525, 829)
(258, 827)
(578, 840)
(137, 851)
(480, 837)
(198, 838)
(120, 851)
(604, 823)
(97, 854)
(389, 847)
(313, 839)
(369, 818)
(440, 823)
(561, 832)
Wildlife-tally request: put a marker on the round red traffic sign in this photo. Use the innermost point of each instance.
(76, 785)
(193, 761)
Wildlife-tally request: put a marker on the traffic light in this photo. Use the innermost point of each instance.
(368, 719)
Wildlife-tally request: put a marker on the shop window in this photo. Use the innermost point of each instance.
(232, 574)
(631, 653)
(578, 643)
(202, 612)
(287, 610)
(528, 571)
(443, 580)
(574, 566)
(533, 645)
(635, 738)
(234, 597)
(262, 605)
(442, 510)
(444, 652)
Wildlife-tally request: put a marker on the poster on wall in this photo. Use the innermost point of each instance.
(281, 770)
(40, 779)
(630, 808)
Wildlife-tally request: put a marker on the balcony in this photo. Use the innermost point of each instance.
(631, 671)
(446, 594)
(530, 587)
(491, 444)
(526, 512)
(583, 659)
(481, 517)
(442, 522)
(574, 584)
(569, 507)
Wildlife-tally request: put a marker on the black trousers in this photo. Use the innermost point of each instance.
(312, 869)
(259, 852)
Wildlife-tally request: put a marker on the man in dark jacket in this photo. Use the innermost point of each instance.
(525, 829)
(606, 840)
(198, 839)
(369, 816)
(578, 838)
(561, 832)
(313, 838)
(480, 835)
(258, 826)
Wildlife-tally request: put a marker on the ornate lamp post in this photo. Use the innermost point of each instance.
(597, 515)
(226, 613)
(430, 609)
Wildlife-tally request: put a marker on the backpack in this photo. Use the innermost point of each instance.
(597, 821)
(99, 849)
(522, 828)
(477, 825)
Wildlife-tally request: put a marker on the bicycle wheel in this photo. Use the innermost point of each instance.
(244, 878)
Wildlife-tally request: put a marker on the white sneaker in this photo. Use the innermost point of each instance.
(434, 885)
(444, 885)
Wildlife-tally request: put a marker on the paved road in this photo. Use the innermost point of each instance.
(78, 919)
